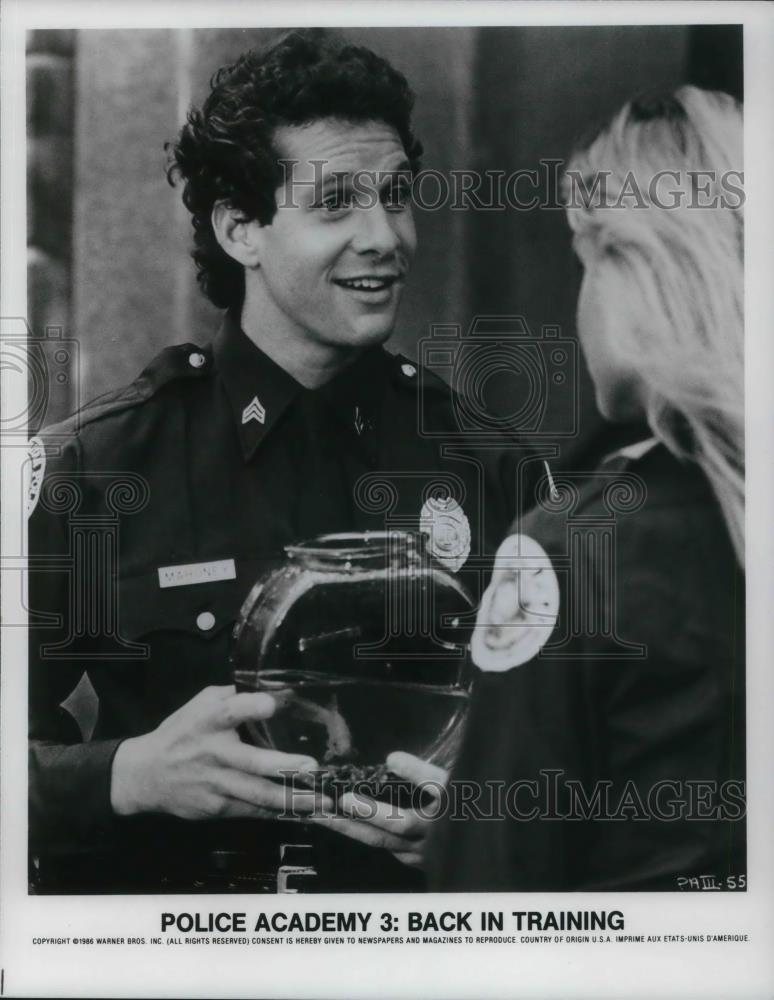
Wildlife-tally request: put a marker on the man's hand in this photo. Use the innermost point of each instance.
(403, 832)
(195, 766)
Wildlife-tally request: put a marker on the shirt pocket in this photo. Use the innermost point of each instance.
(201, 610)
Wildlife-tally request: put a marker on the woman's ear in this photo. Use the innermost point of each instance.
(238, 237)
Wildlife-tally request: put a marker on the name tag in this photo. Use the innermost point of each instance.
(188, 573)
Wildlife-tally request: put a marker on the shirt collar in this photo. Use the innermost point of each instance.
(260, 391)
(354, 397)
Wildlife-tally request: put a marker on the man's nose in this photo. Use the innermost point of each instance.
(377, 231)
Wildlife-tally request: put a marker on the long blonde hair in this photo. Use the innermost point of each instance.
(683, 270)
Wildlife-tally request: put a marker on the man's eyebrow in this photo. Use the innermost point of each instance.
(404, 167)
(337, 176)
(386, 178)
(342, 180)
(335, 179)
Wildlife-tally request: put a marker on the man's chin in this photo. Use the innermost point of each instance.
(370, 334)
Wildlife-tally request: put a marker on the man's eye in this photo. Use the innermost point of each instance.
(335, 203)
(397, 196)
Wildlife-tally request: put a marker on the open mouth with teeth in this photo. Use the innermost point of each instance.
(368, 284)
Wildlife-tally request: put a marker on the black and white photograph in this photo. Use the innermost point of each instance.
(379, 487)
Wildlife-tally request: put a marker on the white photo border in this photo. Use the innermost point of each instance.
(642, 970)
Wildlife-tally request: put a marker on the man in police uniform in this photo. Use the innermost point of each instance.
(213, 460)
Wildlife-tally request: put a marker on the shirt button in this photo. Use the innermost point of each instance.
(408, 370)
(196, 360)
(205, 621)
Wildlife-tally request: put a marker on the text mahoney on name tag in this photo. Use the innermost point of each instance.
(188, 573)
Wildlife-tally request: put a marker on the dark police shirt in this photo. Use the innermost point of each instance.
(158, 508)
(619, 747)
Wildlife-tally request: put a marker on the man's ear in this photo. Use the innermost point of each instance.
(239, 238)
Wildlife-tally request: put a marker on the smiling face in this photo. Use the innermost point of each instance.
(333, 260)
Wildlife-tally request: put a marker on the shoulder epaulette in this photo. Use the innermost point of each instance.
(412, 375)
(177, 361)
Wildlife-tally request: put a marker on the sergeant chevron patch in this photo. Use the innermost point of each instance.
(519, 608)
(254, 411)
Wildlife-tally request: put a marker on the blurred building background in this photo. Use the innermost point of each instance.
(109, 239)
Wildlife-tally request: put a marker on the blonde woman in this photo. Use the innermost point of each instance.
(605, 744)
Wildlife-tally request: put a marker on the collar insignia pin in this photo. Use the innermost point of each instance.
(254, 411)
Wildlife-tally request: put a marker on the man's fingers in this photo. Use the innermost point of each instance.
(365, 833)
(410, 858)
(201, 706)
(384, 815)
(267, 763)
(418, 771)
(236, 709)
(268, 795)
(238, 809)
(214, 691)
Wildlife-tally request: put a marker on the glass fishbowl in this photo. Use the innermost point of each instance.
(361, 639)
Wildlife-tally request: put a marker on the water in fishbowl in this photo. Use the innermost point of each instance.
(350, 725)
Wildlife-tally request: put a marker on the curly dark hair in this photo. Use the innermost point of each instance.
(225, 151)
